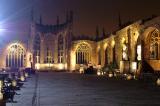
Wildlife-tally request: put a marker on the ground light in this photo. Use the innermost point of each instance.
(22, 78)
(98, 73)
(158, 81)
(14, 83)
(1, 95)
(1, 85)
(129, 77)
(110, 75)
(26, 75)
(81, 70)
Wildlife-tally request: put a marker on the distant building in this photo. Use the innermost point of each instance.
(133, 48)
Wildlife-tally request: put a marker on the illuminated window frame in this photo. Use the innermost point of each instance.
(16, 55)
(83, 54)
(154, 45)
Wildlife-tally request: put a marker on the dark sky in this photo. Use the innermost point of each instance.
(15, 14)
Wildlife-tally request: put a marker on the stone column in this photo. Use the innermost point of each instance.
(42, 51)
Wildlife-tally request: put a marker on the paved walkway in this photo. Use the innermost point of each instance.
(27, 92)
(70, 89)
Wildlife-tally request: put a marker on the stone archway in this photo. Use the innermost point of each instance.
(151, 50)
(15, 56)
(83, 54)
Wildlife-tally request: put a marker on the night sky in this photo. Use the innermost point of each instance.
(15, 14)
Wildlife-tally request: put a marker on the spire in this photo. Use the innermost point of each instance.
(40, 19)
(57, 20)
(119, 20)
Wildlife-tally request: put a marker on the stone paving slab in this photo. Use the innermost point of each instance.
(64, 89)
(70, 89)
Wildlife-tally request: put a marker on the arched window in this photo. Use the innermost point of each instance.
(154, 44)
(36, 48)
(49, 56)
(15, 56)
(60, 49)
(83, 54)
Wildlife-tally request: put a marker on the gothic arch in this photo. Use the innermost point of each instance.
(15, 55)
(83, 53)
(151, 43)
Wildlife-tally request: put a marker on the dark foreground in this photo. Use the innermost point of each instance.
(70, 89)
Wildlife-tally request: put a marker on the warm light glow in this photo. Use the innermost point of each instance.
(124, 47)
(61, 66)
(29, 59)
(98, 73)
(113, 43)
(37, 66)
(73, 60)
(123, 39)
(134, 66)
(125, 56)
(22, 78)
(81, 70)
(26, 75)
(158, 81)
(105, 46)
(1, 84)
(139, 52)
(129, 77)
(14, 83)
(1, 96)
(110, 75)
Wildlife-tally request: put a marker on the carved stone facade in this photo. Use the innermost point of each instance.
(133, 48)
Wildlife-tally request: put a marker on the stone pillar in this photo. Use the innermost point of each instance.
(42, 51)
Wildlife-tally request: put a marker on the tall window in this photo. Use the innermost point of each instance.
(83, 54)
(49, 56)
(60, 49)
(154, 44)
(36, 48)
(15, 56)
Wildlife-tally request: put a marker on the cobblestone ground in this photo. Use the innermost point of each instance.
(71, 89)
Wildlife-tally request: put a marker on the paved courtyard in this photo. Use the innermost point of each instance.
(71, 89)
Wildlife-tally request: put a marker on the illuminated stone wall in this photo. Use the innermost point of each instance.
(75, 44)
(101, 52)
